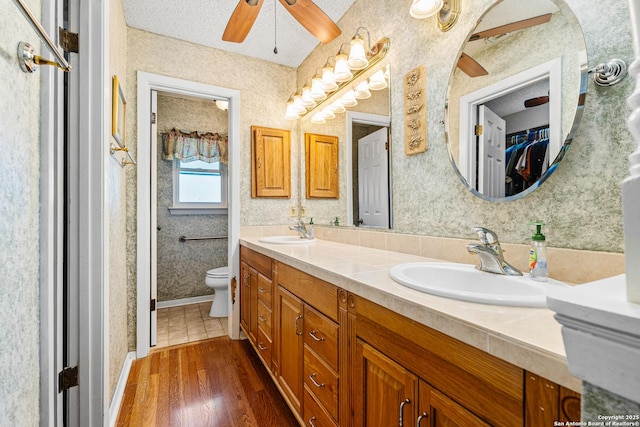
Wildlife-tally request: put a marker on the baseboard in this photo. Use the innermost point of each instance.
(185, 301)
(118, 393)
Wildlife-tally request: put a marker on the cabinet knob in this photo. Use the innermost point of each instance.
(404, 402)
(313, 335)
(312, 377)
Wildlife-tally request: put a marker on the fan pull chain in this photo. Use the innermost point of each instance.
(275, 27)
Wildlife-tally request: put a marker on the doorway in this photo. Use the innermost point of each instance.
(147, 84)
(368, 171)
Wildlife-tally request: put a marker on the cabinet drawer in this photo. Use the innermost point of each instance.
(322, 381)
(264, 346)
(265, 290)
(314, 415)
(321, 334)
(260, 262)
(322, 295)
(264, 318)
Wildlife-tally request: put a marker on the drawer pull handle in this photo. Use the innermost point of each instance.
(262, 318)
(262, 290)
(298, 318)
(311, 420)
(246, 280)
(261, 346)
(421, 417)
(312, 377)
(312, 334)
(404, 402)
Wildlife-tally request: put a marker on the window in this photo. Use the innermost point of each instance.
(199, 188)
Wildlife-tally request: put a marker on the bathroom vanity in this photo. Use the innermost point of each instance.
(347, 346)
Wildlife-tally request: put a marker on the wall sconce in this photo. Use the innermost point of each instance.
(335, 80)
(448, 11)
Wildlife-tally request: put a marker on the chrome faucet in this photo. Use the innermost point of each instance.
(299, 226)
(490, 254)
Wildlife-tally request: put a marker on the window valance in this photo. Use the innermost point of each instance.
(189, 146)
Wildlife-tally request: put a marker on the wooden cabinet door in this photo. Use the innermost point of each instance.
(385, 391)
(245, 298)
(437, 410)
(321, 166)
(290, 340)
(270, 162)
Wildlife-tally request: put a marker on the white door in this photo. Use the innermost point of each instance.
(373, 179)
(153, 321)
(491, 153)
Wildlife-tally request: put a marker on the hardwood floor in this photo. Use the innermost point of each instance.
(217, 382)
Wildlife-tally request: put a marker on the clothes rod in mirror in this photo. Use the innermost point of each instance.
(29, 61)
(347, 71)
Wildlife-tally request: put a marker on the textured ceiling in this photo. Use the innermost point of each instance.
(204, 21)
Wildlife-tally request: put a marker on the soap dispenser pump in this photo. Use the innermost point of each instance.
(310, 232)
(538, 254)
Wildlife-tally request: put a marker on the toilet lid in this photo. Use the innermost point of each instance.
(221, 272)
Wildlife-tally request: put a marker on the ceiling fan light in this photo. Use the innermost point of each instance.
(318, 119)
(362, 90)
(377, 81)
(223, 105)
(357, 56)
(349, 99)
(341, 71)
(317, 93)
(307, 100)
(328, 79)
(421, 9)
(298, 107)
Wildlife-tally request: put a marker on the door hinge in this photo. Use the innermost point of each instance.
(68, 41)
(67, 378)
(153, 118)
(478, 130)
(153, 304)
(386, 146)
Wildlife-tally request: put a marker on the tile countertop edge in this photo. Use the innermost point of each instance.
(546, 362)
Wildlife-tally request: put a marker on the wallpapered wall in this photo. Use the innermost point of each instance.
(20, 226)
(264, 89)
(182, 266)
(580, 202)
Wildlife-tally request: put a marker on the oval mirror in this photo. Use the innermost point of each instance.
(515, 97)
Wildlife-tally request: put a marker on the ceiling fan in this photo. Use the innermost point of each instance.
(306, 12)
(471, 67)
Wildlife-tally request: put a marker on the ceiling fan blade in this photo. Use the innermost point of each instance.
(241, 20)
(313, 19)
(514, 26)
(534, 102)
(470, 66)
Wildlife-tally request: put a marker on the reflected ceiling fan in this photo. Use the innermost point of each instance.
(471, 67)
(306, 12)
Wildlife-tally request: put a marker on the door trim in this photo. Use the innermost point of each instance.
(366, 119)
(146, 83)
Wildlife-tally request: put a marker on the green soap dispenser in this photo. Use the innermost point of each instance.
(538, 254)
(310, 232)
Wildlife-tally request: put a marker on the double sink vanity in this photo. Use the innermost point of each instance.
(347, 345)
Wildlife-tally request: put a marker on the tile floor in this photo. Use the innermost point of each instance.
(188, 323)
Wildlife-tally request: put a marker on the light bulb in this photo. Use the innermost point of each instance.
(307, 100)
(328, 79)
(341, 71)
(316, 89)
(362, 90)
(377, 81)
(297, 105)
(357, 57)
(290, 114)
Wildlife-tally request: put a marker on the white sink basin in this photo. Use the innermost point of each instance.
(286, 240)
(464, 282)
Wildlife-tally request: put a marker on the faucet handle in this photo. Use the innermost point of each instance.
(487, 237)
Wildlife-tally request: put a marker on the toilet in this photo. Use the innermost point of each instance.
(218, 280)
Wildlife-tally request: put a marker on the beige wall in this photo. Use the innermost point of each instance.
(117, 310)
(264, 89)
(580, 202)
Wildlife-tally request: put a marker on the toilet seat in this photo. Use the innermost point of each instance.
(219, 273)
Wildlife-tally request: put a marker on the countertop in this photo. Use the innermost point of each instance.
(529, 338)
